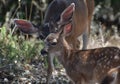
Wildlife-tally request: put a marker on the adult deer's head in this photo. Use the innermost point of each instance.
(45, 29)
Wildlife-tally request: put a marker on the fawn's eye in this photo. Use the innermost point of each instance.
(54, 42)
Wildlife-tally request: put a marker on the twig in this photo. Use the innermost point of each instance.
(40, 8)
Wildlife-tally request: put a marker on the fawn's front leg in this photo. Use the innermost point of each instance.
(50, 68)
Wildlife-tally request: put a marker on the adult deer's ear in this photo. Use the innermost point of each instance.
(67, 13)
(25, 26)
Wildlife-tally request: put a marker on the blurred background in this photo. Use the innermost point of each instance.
(20, 59)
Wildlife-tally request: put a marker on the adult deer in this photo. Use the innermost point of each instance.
(91, 66)
(81, 19)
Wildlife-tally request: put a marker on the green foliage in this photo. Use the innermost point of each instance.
(14, 48)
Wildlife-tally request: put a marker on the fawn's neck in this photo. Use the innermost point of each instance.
(65, 51)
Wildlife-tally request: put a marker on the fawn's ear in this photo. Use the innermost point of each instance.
(25, 26)
(67, 29)
(66, 17)
(67, 13)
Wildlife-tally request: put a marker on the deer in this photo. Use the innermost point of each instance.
(89, 66)
(81, 22)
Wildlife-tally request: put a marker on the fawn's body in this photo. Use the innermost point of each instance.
(89, 66)
(83, 66)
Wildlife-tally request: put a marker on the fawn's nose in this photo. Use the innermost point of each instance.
(44, 52)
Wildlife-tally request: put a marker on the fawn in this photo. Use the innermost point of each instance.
(90, 66)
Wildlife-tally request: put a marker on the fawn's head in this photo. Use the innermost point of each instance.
(63, 29)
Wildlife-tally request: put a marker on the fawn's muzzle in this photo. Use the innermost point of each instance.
(44, 52)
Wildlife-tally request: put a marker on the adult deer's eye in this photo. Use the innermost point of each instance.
(56, 29)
